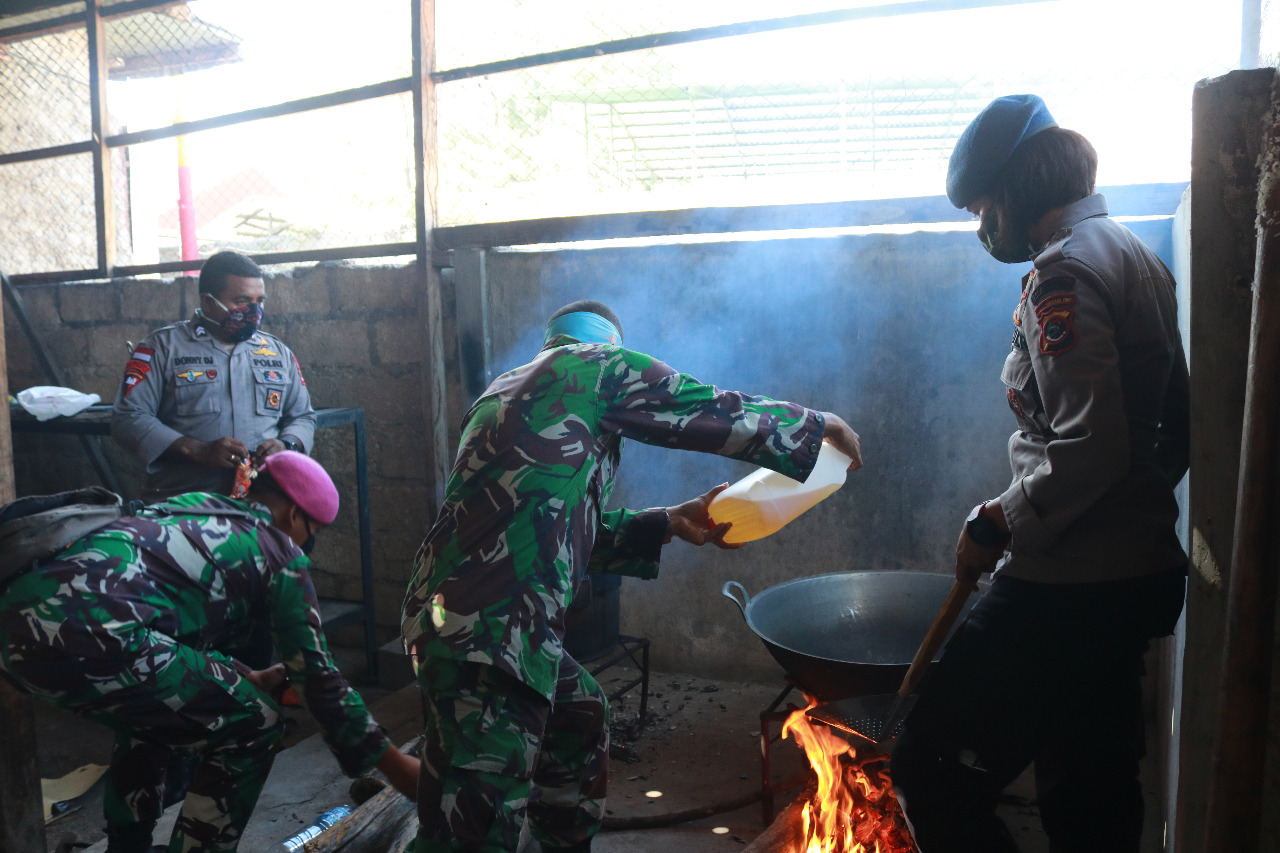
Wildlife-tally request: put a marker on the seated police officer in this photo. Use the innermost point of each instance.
(201, 395)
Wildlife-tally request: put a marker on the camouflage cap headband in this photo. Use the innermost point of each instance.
(583, 326)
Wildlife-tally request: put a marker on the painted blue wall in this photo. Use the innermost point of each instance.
(902, 335)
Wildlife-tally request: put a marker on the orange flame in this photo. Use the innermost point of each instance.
(854, 809)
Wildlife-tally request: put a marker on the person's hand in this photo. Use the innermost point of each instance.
(225, 452)
(401, 771)
(690, 521)
(270, 681)
(844, 438)
(268, 447)
(972, 559)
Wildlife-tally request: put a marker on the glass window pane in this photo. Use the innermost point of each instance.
(235, 55)
(863, 109)
(337, 177)
(48, 221)
(538, 26)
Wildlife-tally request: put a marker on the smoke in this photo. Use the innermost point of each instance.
(901, 335)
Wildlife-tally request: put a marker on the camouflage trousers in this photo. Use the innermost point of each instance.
(496, 751)
(158, 695)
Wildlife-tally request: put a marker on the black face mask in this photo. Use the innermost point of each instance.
(1001, 241)
(310, 542)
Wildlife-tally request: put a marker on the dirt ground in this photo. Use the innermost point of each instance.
(698, 751)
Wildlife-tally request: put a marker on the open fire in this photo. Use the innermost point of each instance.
(854, 809)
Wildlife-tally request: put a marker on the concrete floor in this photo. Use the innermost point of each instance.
(700, 748)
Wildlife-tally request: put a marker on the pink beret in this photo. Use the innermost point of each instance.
(305, 482)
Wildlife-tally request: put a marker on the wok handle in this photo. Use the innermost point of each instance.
(959, 594)
(746, 599)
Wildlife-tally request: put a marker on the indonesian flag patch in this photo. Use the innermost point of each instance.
(137, 368)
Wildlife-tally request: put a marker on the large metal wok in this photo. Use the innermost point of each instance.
(845, 634)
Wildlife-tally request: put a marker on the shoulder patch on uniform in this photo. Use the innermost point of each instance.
(1042, 290)
(1056, 317)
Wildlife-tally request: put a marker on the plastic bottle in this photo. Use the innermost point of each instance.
(763, 502)
(326, 820)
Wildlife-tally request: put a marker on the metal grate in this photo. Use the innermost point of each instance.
(44, 91)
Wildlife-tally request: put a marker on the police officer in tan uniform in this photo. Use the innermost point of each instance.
(201, 395)
(1047, 668)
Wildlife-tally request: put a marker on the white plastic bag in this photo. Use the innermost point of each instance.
(49, 401)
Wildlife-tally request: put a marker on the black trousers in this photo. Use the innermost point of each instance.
(1045, 674)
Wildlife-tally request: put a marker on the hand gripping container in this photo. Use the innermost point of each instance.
(764, 502)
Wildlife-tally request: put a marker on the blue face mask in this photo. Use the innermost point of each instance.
(584, 326)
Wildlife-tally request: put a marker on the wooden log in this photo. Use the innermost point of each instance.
(785, 834)
(1239, 762)
(385, 823)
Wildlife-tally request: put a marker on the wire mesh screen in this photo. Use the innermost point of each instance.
(44, 91)
(337, 177)
(48, 221)
(862, 109)
(214, 57)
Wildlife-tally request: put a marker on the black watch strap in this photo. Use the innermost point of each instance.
(291, 444)
(984, 531)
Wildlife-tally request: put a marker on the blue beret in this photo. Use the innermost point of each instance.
(989, 141)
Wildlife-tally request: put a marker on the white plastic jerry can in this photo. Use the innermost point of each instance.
(763, 502)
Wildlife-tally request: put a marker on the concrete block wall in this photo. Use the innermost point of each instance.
(358, 336)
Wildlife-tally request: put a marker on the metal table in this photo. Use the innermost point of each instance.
(334, 613)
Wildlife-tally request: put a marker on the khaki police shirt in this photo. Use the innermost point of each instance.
(183, 381)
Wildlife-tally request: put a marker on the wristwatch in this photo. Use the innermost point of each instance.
(983, 530)
(291, 444)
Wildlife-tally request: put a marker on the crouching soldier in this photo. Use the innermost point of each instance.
(135, 626)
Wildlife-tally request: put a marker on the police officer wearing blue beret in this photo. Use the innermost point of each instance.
(1088, 566)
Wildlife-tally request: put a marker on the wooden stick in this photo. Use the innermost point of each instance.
(1236, 784)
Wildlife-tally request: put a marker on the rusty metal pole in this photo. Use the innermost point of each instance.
(21, 811)
(1239, 759)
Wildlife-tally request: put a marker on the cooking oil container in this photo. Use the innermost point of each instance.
(764, 502)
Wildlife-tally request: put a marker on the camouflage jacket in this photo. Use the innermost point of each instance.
(523, 513)
(200, 580)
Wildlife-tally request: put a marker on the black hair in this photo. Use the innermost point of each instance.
(1051, 169)
(593, 307)
(213, 275)
(264, 483)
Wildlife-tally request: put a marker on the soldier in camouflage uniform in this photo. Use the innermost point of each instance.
(514, 726)
(136, 625)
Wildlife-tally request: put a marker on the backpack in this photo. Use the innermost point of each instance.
(35, 528)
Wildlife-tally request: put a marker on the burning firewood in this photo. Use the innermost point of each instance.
(852, 808)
